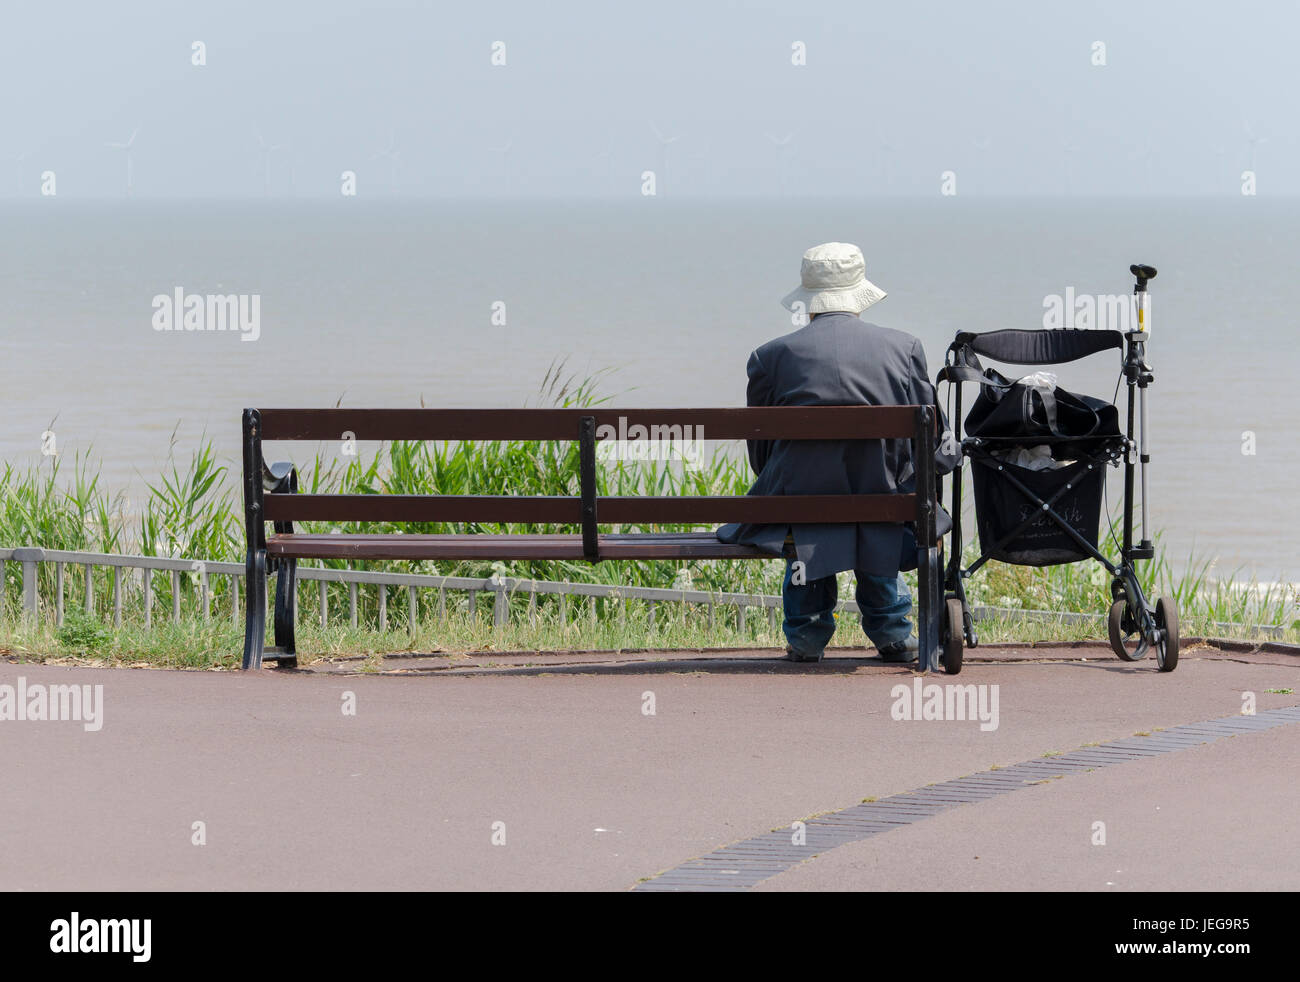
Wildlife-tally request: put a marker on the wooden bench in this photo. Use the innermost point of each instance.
(271, 495)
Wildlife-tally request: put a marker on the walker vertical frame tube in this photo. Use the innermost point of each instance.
(1144, 454)
(929, 574)
(1130, 377)
(1139, 374)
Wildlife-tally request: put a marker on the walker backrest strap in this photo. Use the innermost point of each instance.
(1021, 347)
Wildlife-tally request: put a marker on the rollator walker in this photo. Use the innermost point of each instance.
(1039, 456)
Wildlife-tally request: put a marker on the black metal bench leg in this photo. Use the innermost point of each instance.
(286, 578)
(255, 607)
(929, 583)
(936, 608)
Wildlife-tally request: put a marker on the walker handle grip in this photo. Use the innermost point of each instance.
(1143, 273)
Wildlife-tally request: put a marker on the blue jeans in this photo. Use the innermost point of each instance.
(885, 603)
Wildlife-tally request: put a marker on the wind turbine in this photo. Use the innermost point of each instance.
(886, 175)
(1069, 148)
(267, 150)
(1144, 156)
(1220, 151)
(17, 160)
(782, 145)
(664, 142)
(1253, 140)
(504, 150)
(605, 157)
(390, 154)
(982, 144)
(126, 147)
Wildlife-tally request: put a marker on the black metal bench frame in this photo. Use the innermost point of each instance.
(271, 495)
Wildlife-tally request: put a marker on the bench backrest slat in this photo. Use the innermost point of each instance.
(539, 510)
(751, 423)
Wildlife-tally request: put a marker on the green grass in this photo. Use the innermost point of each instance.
(192, 510)
(194, 643)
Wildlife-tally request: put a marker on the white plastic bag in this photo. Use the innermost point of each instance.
(1037, 458)
(1040, 380)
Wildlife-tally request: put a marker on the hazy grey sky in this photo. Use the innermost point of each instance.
(1002, 93)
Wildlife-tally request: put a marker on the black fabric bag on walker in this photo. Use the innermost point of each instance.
(1013, 414)
(1001, 507)
(1014, 410)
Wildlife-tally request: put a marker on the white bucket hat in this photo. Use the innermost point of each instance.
(833, 277)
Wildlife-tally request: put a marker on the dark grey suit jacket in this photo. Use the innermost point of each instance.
(838, 360)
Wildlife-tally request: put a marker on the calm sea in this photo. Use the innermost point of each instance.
(393, 304)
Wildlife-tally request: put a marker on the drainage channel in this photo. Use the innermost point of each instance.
(741, 865)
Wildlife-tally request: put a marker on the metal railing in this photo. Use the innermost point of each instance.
(501, 588)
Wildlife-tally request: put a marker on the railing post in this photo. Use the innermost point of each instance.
(202, 569)
(500, 604)
(29, 557)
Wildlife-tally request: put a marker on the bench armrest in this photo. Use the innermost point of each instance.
(279, 478)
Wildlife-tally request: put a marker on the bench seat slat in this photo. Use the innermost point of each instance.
(668, 545)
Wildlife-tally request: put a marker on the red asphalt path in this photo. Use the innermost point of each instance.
(595, 794)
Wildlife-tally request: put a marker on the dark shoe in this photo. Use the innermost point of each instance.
(900, 652)
(792, 655)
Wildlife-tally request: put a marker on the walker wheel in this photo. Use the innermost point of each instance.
(952, 637)
(1117, 630)
(1167, 621)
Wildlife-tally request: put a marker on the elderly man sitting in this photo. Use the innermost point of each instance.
(839, 360)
